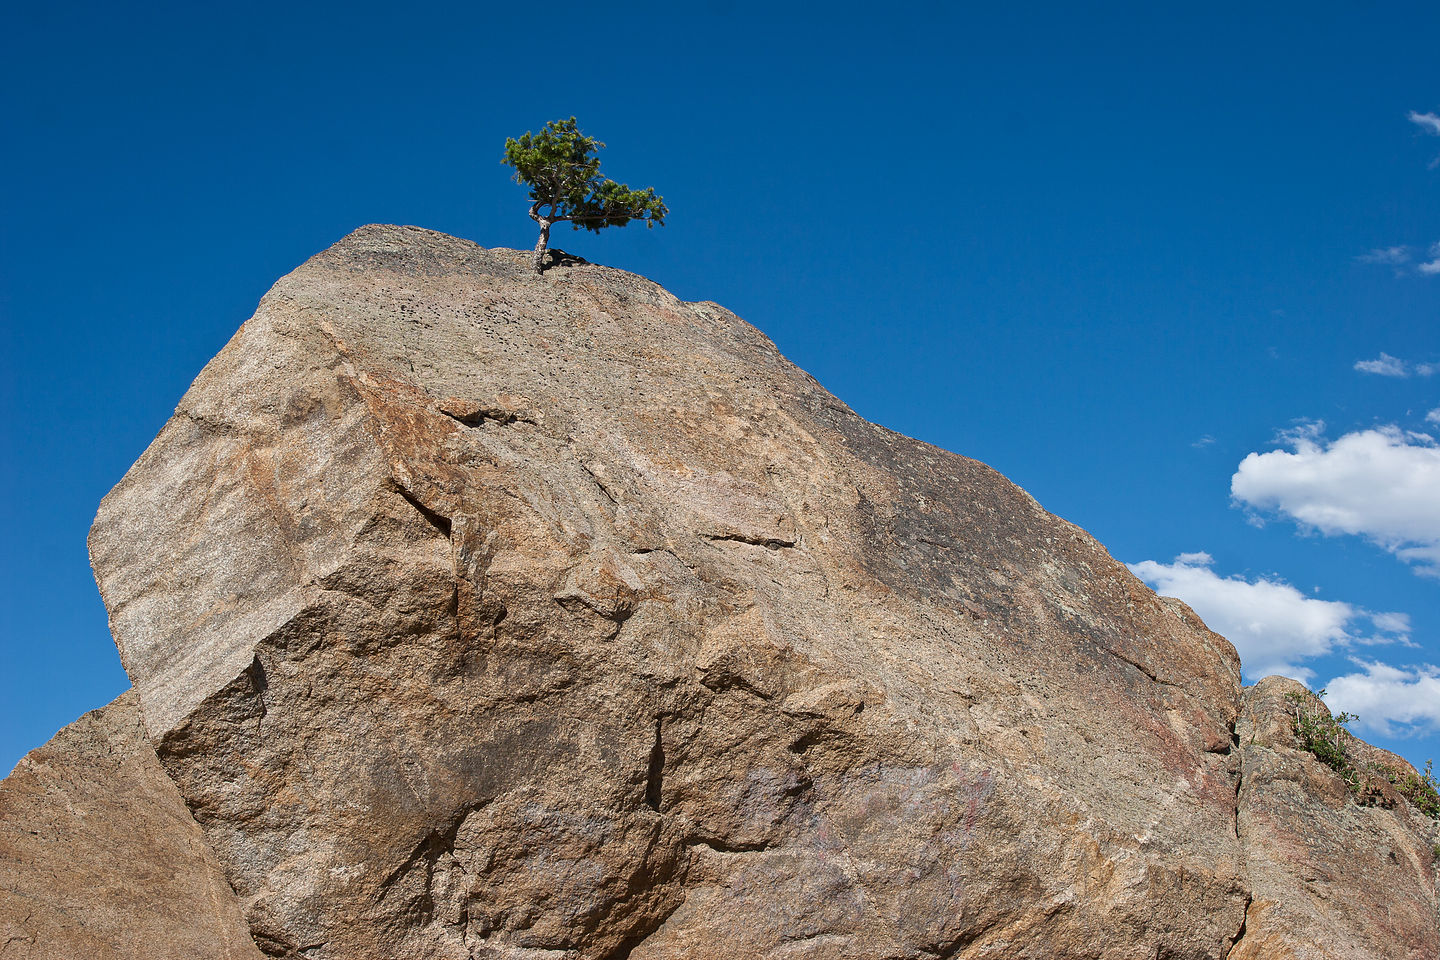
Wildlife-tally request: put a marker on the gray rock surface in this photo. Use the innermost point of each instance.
(481, 614)
(101, 860)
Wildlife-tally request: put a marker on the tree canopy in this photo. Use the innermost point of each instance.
(560, 166)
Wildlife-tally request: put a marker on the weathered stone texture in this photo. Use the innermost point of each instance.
(481, 614)
(101, 860)
(1331, 879)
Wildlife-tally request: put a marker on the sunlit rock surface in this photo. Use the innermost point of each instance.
(480, 614)
(101, 860)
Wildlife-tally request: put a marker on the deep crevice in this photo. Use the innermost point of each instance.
(769, 543)
(272, 946)
(1239, 778)
(428, 851)
(439, 522)
(1244, 921)
(1239, 840)
(599, 483)
(1138, 666)
(721, 846)
(493, 414)
(655, 774)
(810, 739)
(259, 683)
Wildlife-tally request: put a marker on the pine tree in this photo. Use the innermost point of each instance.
(560, 166)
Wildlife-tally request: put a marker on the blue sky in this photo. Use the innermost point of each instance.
(1171, 270)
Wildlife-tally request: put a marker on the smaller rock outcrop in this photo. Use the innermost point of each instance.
(1329, 877)
(100, 858)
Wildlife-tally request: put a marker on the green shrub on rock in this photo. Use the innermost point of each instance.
(1327, 737)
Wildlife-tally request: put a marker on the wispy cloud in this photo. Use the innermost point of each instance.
(1380, 484)
(1433, 416)
(1273, 625)
(1203, 442)
(1388, 366)
(1384, 366)
(1391, 256)
(1392, 701)
(1430, 123)
(1404, 259)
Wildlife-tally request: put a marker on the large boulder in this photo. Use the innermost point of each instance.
(475, 613)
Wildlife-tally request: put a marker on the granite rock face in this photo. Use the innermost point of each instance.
(481, 614)
(100, 858)
(1329, 877)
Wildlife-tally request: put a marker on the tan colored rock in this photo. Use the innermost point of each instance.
(101, 860)
(481, 614)
(1330, 879)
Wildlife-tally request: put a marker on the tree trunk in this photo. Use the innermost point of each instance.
(542, 244)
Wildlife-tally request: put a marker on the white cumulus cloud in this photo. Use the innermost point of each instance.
(1392, 701)
(1433, 416)
(1382, 484)
(1273, 625)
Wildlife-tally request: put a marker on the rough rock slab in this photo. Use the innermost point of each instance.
(101, 860)
(480, 614)
(1330, 879)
